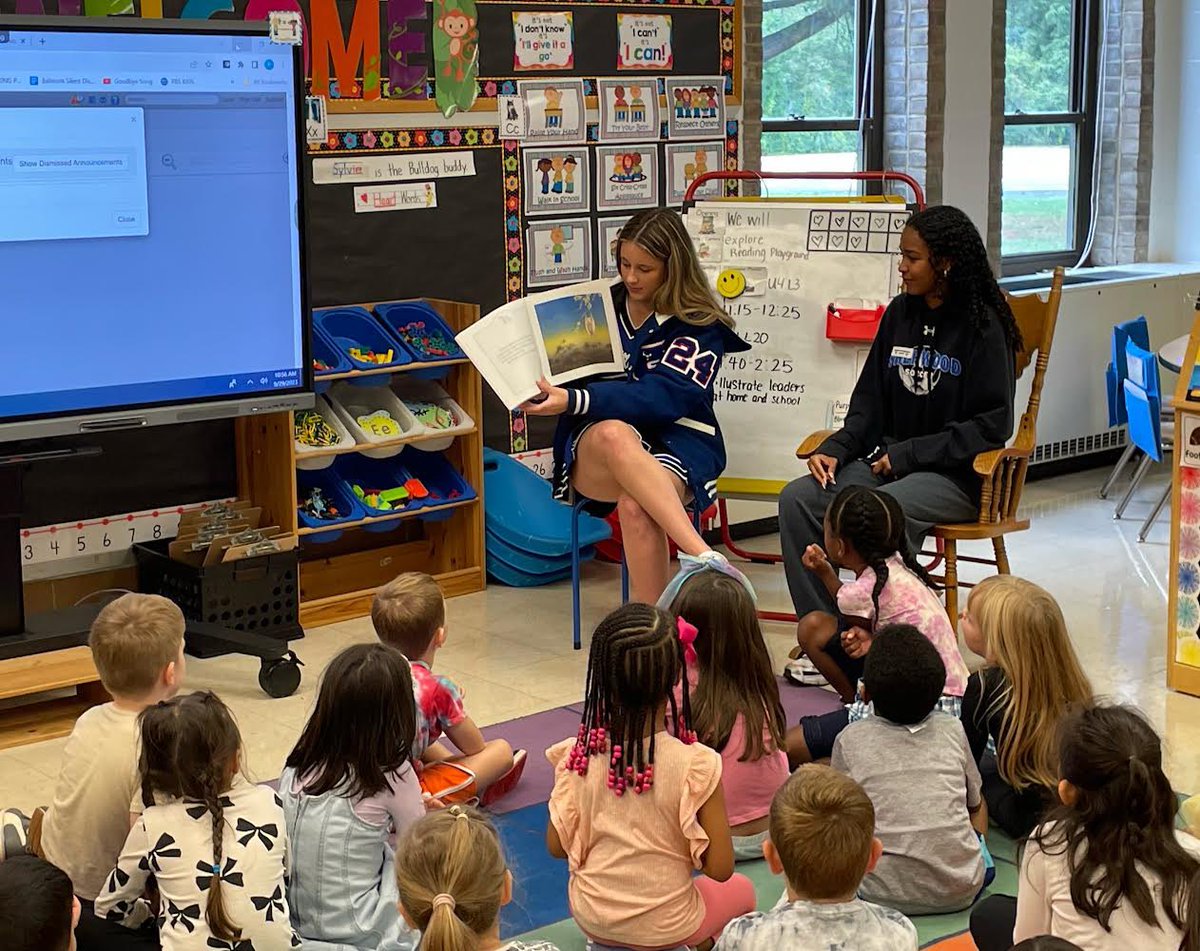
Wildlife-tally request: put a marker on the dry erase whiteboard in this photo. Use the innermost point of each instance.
(779, 265)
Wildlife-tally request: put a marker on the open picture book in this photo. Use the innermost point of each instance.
(563, 335)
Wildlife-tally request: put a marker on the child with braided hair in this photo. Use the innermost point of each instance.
(630, 796)
(217, 846)
(865, 534)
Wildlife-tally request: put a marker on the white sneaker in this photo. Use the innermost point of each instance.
(14, 826)
(803, 673)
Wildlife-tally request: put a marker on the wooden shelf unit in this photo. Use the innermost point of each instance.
(46, 717)
(338, 579)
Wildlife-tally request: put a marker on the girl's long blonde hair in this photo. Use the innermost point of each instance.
(685, 291)
(1027, 639)
(450, 873)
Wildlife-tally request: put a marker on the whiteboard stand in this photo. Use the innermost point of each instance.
(689, 199)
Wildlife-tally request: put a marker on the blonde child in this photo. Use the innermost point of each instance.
(648, 441)
(409, 614)
(137, 647)
(635, 809)
(734, 698)
(347, 787)
(217, 850)
(453, 881)
(1012, 706)
(822, 841)
(865, 533)
(1107, 869)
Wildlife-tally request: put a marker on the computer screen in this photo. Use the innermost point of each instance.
(150, 220)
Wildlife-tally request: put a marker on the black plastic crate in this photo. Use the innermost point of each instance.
(260, 595)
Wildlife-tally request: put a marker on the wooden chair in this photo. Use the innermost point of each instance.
(1002, 471)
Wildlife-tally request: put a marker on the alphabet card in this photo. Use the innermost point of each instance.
(687, 161)
(559, 251)
(626, 176)
(543, 40)
(644, 41)
(555, 111)
(695, 107)
(628, 109)
(556, 180)
(607, 230)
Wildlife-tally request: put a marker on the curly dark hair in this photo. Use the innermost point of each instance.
(958, 255)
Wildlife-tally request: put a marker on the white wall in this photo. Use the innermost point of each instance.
(1174, 224)
(968, 108)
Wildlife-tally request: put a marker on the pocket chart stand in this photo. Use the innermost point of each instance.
(768, 490)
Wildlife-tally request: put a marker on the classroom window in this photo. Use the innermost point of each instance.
(1051, 49)
(820, 92)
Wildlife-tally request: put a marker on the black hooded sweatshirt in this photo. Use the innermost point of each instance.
(933, 393)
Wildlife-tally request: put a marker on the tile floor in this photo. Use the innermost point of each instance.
(510, 649)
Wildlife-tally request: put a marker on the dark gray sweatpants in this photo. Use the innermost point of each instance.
(926, 497)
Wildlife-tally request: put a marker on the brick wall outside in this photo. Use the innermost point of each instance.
(996, 151)
(752, 70)
(914, 90)
(1126, 112)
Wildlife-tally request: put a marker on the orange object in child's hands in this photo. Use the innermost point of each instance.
(856, 642)
(447, 784)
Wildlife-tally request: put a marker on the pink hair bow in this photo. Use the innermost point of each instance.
(687, 634)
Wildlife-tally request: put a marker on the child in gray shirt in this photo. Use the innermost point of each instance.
(821, 839)
(915, 764)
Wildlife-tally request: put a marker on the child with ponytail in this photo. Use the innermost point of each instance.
(635, 808)
(216, 850)
(453, 880)
(1108, 869)
(865, 534)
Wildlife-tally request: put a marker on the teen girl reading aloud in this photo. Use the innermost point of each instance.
(649, 442)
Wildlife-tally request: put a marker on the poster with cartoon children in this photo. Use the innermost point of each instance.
(556, 111)
(556, 180)
(607, 230)
(626, 176)
(687, 161)
(628, 109)
(695, 107)
(558, 251)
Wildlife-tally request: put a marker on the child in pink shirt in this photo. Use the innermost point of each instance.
(636, 810)
(734, 695)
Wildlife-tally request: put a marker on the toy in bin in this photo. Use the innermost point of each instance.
(318, 506)
(432, 415)
(421, 329)
(395, 499)
(312, 429)
(853, 321)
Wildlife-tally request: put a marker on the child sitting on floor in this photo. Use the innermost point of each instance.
(216, 849)
(348, 785)
(409, 613)
(634, 809)
(137, 646)
(822, 841)
(453, 881)
(38, 908)
(864, 532)
(914, 763)
(1012, 706)
(734, 698)
(1107, 870)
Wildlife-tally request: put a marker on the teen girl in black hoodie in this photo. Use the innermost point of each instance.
(936, 389)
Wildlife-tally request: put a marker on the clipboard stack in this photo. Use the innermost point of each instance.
(229, 531)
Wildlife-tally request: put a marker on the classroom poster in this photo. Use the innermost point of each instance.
(607, 230)
(695, 107)
(559, 251)
(628, 109)
(626, 176)
(555, 111)
(404, 197)
(556, 181)
(543, 41)
(687, 161)
(644, 41)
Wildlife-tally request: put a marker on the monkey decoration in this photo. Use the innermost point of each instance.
(455, 54)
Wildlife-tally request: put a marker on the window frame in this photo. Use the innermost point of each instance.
(868, 98)
(1082, 114)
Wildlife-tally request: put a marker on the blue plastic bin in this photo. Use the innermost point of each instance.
(441, 479)
(333, 357)
(337, 492)
(348, 327)
(401, 315)
(375, 474)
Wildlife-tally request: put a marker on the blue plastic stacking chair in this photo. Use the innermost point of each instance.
(577, 507)
(1143, 409)
(1114, 377)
